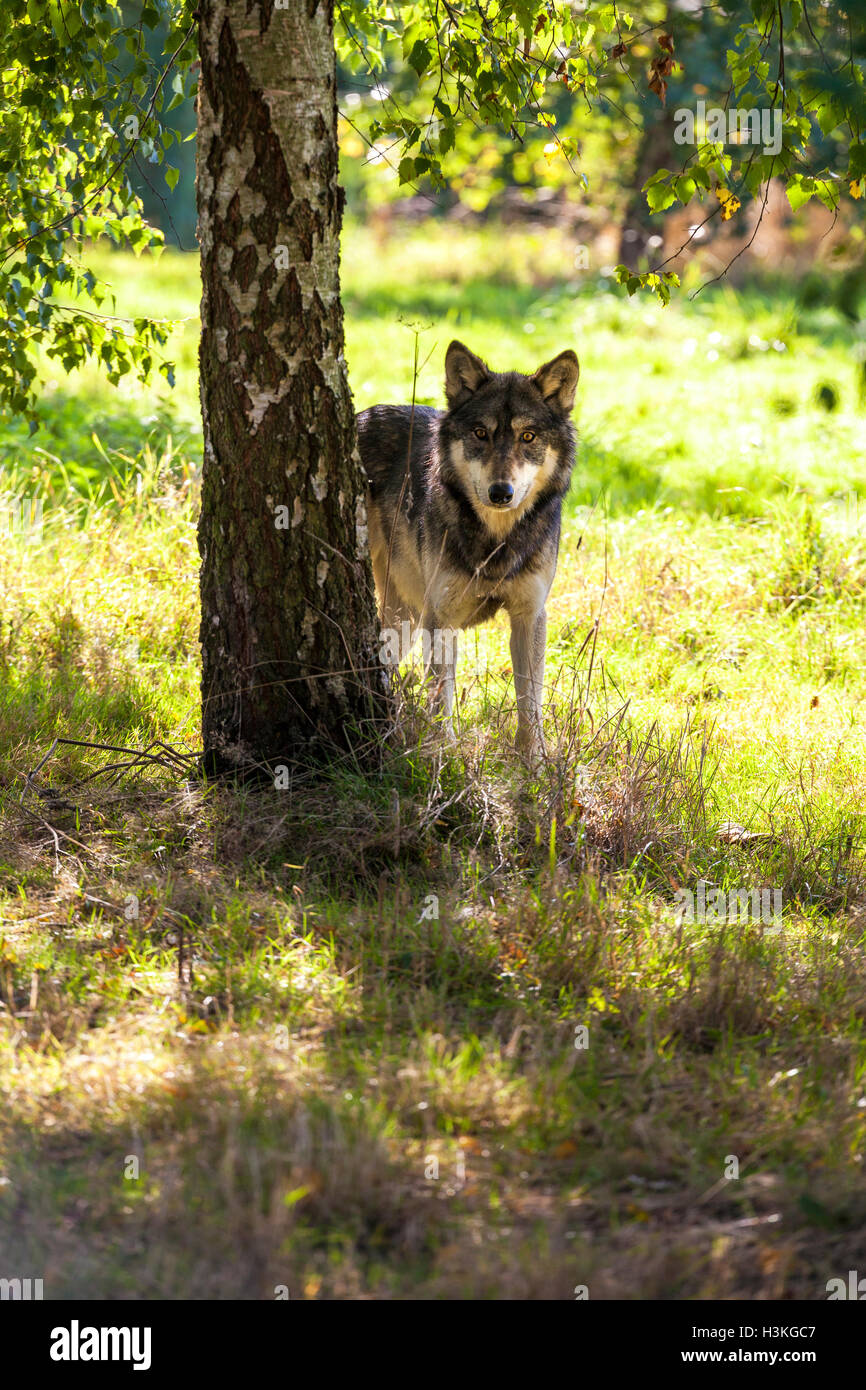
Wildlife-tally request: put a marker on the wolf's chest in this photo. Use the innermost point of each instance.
(463, 601)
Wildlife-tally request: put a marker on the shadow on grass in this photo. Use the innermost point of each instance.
(228, 1166)
(282, 1108)
(223, 1178)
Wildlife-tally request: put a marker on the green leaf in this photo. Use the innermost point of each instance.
(419, 58)
(659, 197)
(799, 193)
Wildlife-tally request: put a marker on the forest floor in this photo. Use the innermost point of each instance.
(447, 1032)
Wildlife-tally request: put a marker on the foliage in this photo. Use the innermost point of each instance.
(506, 62)
(80, 101)
(88, 103)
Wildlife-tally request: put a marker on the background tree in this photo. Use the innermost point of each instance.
(89, 103)
(503, 64)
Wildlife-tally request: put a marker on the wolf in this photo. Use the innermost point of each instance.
(464, 511)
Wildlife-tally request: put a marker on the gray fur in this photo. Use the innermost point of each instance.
(444, 555)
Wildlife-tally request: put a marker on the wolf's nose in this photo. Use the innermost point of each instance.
(500, 493)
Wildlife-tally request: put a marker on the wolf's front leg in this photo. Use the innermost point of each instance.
(528, 642)
(439, 648)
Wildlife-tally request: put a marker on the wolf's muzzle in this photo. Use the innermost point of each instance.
(500, 494)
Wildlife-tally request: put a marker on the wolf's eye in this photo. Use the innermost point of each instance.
(528, 436)
(480, 432)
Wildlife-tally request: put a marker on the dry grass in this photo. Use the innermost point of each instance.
(289, 1061)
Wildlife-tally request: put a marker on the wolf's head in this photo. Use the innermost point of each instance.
(507, 439)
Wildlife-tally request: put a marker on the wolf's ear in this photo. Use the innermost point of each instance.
(557, 380)
(464, 373)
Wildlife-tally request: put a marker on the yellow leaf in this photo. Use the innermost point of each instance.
(729, 201)
(855, 188)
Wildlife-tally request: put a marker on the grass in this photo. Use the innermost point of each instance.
(442, 1033)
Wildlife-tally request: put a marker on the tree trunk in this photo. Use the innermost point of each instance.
(288, 625)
